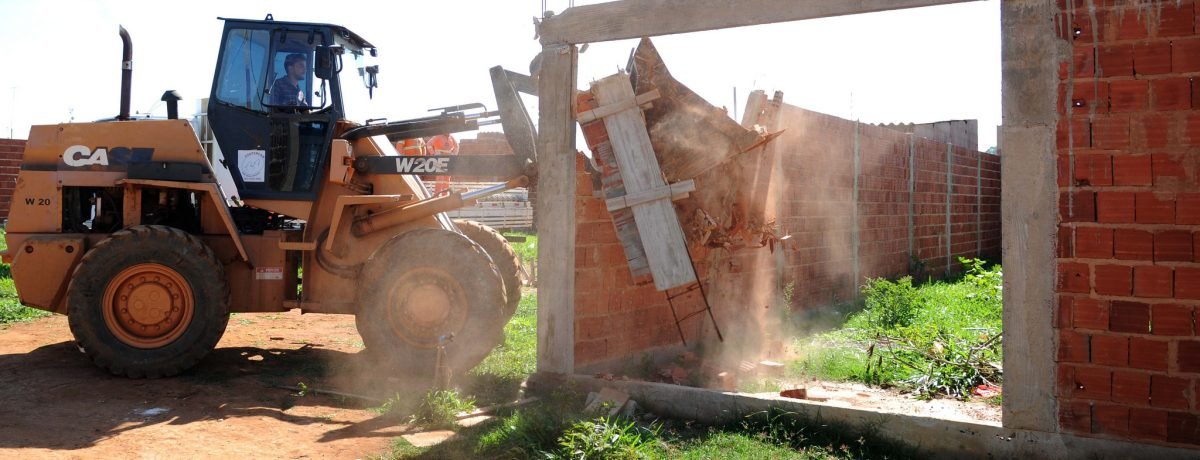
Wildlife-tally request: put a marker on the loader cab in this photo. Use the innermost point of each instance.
(275, 102)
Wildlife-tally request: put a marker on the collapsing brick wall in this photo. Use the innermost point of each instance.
(11, 151)
(834, 246)
(1129, 210)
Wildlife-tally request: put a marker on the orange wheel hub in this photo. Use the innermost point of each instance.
(148, 305)
(427, 303)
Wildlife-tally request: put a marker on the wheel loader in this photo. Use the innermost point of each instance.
(148, 239)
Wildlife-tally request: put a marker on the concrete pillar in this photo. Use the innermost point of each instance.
(1029, 196)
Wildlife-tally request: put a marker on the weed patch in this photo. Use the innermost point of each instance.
(941, 338)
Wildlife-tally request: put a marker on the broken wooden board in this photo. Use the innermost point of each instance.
(658, 226)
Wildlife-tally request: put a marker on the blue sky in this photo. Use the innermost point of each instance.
(939, 63)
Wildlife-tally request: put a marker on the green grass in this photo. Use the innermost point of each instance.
(940, 338)
(517, 356)
(11, 310)
(555, 429)
(526, 250)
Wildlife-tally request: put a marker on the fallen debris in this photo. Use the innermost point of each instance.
(608, 401)
(328, 392)
(493, 408)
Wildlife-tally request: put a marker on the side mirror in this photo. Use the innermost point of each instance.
(324, 68)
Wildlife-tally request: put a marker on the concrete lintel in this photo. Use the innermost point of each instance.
(937, 438)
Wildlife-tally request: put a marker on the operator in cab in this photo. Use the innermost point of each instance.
(286, 89)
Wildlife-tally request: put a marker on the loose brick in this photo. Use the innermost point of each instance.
(1110, 350)
(1132, 170)
(1073, 277)
(1171, 320)
(1153, 281)
(1096, 243)
(1188, 358)
(1094, 169)
(1092, 383)
(1131, 387)
(1089, 313)
(1131, 244)
(1079, 206)
(1173, 246)
(1148, 423)
(1169, 392)
(1110, 419)
(1115, 207)
(1147, 354)
(1129, 96)
(1187, 283)
(1116, 280)
(1110, 133)
(1129, 317)
(1171, 94)
(1073, 347)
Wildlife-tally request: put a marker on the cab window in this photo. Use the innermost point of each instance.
(243, 69)
(292, 81)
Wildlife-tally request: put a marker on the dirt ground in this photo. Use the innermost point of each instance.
(55, 404)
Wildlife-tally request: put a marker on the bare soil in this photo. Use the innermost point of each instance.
(55, 404)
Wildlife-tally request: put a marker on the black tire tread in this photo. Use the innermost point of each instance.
(173, 245)
(507, 263)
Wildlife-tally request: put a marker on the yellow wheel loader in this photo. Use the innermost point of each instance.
(148, 238)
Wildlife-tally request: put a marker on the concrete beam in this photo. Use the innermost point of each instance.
(1029, 211)
(555, 208)
(646, 18)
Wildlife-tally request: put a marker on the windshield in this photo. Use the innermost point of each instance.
(357, 79)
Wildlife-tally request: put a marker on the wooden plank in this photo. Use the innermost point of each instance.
(662, 237)
(647, 18)
(555, 209)
(674, 191)
(606, 110)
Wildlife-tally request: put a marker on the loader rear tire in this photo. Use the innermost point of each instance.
(425, 286)
(149, 301)
(502, 254)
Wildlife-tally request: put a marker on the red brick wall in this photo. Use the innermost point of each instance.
(11, 151)
(818, 207)
(1129, 205)
(617, 317)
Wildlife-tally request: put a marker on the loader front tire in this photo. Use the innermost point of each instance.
(149, 301)
(502, 254)
(428, 288)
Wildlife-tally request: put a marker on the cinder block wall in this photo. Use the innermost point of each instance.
(836, 243)
(11, 151)
(1129, 204)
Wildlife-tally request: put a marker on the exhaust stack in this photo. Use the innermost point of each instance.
(126, 72)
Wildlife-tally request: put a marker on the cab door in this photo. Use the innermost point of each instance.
(274, 146)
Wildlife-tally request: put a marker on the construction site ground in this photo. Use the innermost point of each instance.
(56, 404)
